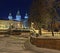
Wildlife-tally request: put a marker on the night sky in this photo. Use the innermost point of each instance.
(12, 6)
(7, 6)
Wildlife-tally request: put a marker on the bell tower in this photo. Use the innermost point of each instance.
(18, 16)
(10, 16)
(25, 22)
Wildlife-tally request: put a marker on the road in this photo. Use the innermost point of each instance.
(13, 45)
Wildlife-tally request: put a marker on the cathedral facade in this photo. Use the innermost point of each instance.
(16, 23)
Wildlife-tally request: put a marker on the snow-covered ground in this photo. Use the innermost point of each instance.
(17, 44)
(57, 34)
(46, 33)
(13, 45)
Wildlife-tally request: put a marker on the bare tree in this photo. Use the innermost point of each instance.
(43, 12)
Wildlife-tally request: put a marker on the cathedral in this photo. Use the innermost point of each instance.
(16, 23)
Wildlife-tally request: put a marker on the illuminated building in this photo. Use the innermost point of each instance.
(6, 24)
(25, 22)
(10, 16)
(14, 23)
(18, 16)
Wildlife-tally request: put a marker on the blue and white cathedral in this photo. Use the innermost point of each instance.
(19, 18)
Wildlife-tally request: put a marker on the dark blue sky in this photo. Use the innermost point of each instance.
(12, 6)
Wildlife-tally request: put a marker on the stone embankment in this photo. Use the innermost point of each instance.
(34, 47)
(46, 42)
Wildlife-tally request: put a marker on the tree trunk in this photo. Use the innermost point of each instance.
(40, 32)
(52, 29)
(39, 27)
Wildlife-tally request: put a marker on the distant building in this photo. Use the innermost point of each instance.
(6, 24)
(18, 16)
(10, 16)
(25, 22)
(17, 23)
